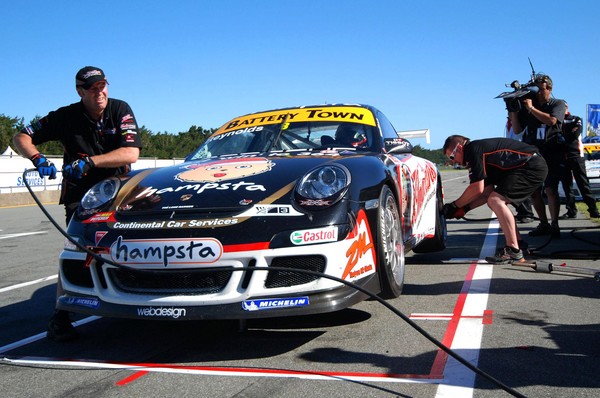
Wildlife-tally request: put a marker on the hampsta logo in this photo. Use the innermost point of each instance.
(170, 312)
(166, 251)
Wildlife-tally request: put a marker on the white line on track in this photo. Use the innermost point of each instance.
(42, 335)
(458, 380)
(20, 285)
(9, 236)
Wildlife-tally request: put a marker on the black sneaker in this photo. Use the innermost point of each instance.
(506, 255)
(60, 328)
(594, 214)
(542, 229)
(568, 215)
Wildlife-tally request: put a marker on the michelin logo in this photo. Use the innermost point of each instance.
(90, 302)
(267, 304)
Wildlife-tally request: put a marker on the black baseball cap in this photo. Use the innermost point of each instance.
(87, 76)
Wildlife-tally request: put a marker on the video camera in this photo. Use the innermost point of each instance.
(513, 98)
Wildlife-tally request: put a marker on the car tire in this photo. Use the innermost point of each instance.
(438, 242)
(390, 247)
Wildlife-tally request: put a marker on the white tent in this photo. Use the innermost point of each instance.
(9, 152)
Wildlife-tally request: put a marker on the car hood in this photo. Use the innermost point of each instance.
(218, 184)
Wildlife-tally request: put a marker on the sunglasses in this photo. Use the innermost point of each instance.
(451, 156)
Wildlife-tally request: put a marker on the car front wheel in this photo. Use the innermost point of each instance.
(390, 246)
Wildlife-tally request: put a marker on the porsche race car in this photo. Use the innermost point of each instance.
(331, 190)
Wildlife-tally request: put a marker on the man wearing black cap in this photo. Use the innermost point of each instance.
(100, 138)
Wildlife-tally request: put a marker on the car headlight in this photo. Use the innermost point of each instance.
(323, 186)
(100, 194)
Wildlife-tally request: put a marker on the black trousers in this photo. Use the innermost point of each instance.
(575, 167)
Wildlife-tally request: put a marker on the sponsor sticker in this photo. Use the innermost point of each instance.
(90, 302)
(270, 210)
(168, 312)
(167, 252)
(267, 304)
(318, 114)
(318, 235)
(360, 256)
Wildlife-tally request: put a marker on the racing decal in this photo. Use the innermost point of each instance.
(313, 202)
(167, 252)
(98, 236)
(270, 210)
(423, 179)
(150, 191)
(108, 216)
(268, 304)
(223, 170)
(361, 257)
(89, 302)
(211, 223)
(169, 312)
(319, 114)
(310, 236)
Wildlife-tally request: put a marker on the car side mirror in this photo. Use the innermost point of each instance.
(398, 145)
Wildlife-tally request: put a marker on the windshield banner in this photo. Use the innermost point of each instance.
(321, 114)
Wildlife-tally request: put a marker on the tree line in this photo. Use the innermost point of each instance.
(159, 145)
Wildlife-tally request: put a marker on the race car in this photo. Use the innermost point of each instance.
(278, 213)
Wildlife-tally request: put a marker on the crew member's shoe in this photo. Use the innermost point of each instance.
(568, 215)
(507, 255)
(542, 229)
(545, 228)
(594, 214)
(60, 328)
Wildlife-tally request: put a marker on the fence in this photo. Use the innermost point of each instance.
(13, 166)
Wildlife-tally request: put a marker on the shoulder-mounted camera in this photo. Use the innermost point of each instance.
(513, 98)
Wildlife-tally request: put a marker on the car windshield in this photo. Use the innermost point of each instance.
(289, 136)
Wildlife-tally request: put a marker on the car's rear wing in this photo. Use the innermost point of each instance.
(408, 134)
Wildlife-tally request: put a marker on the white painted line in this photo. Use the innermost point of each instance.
(459, 381)
(20, 285)
(42, 335)
(222, 371)
(9, 236)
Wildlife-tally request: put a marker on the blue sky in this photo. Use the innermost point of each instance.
(425, 64)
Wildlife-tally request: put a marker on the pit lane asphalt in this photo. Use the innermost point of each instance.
(542, 339)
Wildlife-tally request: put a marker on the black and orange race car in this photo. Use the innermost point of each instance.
(251, 224)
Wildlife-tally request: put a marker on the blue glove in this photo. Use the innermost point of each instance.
(44, 167)
(78, 168)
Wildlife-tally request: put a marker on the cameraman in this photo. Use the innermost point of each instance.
(574, 166)
(540, 118)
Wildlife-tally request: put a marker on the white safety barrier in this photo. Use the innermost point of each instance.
(12, 168)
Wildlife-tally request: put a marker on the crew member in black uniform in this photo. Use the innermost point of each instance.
(502, 171)
(542, 119)
(100, 139)
(574, 166)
